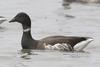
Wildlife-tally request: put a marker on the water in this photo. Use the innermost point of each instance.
(49, 18)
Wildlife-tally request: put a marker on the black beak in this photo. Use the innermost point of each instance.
(13, 20)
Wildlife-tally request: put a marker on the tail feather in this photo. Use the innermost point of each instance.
(81, 45)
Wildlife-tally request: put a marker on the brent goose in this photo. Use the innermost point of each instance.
(2, 19)
(67, 43)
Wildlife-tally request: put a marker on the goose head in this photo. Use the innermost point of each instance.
(22, 18)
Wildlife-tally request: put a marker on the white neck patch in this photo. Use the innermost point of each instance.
(26, 30)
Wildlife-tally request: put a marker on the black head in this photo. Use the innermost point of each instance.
(22, 18)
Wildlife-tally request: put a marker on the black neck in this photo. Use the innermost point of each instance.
(27, 40)
(27, 33)
(25, 26)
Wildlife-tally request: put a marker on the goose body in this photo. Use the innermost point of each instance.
(67, 43)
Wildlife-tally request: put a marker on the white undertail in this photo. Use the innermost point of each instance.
(81, 45)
